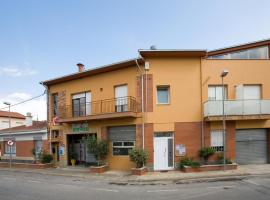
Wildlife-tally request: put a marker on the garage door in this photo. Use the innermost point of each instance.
(251, 146)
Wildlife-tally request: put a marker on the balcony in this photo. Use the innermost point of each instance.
(102, 109)
(237, 109)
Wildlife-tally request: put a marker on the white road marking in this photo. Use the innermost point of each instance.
(106, 190)
(11, 179)
(252, 182)
(34, 181)
(172, 190)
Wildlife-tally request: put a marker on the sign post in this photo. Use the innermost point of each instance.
(10, 143)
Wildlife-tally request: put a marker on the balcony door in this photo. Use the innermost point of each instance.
(121, 98)
(81, 104)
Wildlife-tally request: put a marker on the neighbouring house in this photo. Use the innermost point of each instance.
(16, 119)
(31, 135)
(168, 102)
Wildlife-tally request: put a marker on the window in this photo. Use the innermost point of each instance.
(122, 148)
(215, 92)
(121, 93)
(38, 146)
(163, 96)
(11, 149)
(217, 140)
(252, 92)
(254, 53)
(5, 124)
(81, 104)
(55, 104)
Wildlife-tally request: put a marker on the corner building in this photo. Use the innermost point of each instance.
(168, 102)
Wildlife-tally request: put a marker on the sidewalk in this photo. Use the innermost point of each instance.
(124, 178)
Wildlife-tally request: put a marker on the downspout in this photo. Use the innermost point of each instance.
(142, 94)
(202, 114)
(49, 123)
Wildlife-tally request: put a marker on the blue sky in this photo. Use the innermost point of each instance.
(42, 39)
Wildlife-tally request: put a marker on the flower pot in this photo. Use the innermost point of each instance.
(138, 171)
(99, 169)
(73, 162)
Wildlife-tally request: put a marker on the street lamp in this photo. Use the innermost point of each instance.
(9, 127)
(222, 75)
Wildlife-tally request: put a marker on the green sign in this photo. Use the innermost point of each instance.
(78, 128)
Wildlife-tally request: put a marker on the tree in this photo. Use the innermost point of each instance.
(99, 148)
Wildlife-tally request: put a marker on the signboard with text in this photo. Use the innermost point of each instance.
(80, 128)
(180, 149)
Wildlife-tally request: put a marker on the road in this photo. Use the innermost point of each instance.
(28, 186)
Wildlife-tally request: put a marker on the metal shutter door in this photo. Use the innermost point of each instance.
(251, 146)
(122, 133)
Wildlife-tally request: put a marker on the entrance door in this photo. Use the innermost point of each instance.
(121, 99)
(163, 152)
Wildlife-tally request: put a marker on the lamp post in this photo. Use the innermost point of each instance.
(9, 127)
(222, 75)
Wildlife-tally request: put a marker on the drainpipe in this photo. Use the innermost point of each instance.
(142, 89)
(50, 136)
(202, 114)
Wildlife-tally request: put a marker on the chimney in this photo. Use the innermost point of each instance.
(80, 67)
(28, 119)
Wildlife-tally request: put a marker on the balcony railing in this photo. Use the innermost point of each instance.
(246, 107)
(101, 107)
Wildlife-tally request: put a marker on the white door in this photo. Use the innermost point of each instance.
(121, 102)
(163, 153)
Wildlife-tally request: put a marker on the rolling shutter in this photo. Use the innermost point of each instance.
(251, 146)
(122, 133)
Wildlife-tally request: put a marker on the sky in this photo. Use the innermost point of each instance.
(44, 39)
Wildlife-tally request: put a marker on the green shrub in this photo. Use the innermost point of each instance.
(100, 148)
(221, 161)
(139, 156)
(206, 152)
(46, 158)
(187, 161)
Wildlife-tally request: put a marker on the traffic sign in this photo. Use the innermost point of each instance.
(10, 142)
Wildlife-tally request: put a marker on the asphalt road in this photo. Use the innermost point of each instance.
(26, 186)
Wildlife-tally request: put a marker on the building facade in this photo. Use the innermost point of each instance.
(168, 102)
(16, 119)
(26, 138)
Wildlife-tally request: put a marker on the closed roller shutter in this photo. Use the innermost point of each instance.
(122, 133)
(251, 146)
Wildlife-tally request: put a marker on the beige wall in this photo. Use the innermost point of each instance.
(183, 77)
(240, 72)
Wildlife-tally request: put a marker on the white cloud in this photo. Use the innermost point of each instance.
(37, 106)
(17, 72)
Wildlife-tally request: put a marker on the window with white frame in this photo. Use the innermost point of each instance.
(11, 149)
(163, 94)
(122, 148)
(217, 140)
(215, 92)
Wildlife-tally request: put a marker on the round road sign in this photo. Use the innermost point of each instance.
(10, 142)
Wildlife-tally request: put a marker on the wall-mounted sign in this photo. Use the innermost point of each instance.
(180, 149)
(78, 128)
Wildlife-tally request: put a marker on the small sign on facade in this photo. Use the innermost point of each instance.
(62, 150)
(79, 128)
(180, 149)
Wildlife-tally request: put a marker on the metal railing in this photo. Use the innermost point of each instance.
(106, 106)
(237, 107)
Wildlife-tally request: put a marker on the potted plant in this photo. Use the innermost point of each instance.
(206, 152)
(72, 157)
(187, 164)
(99, 148)
(139, 157)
